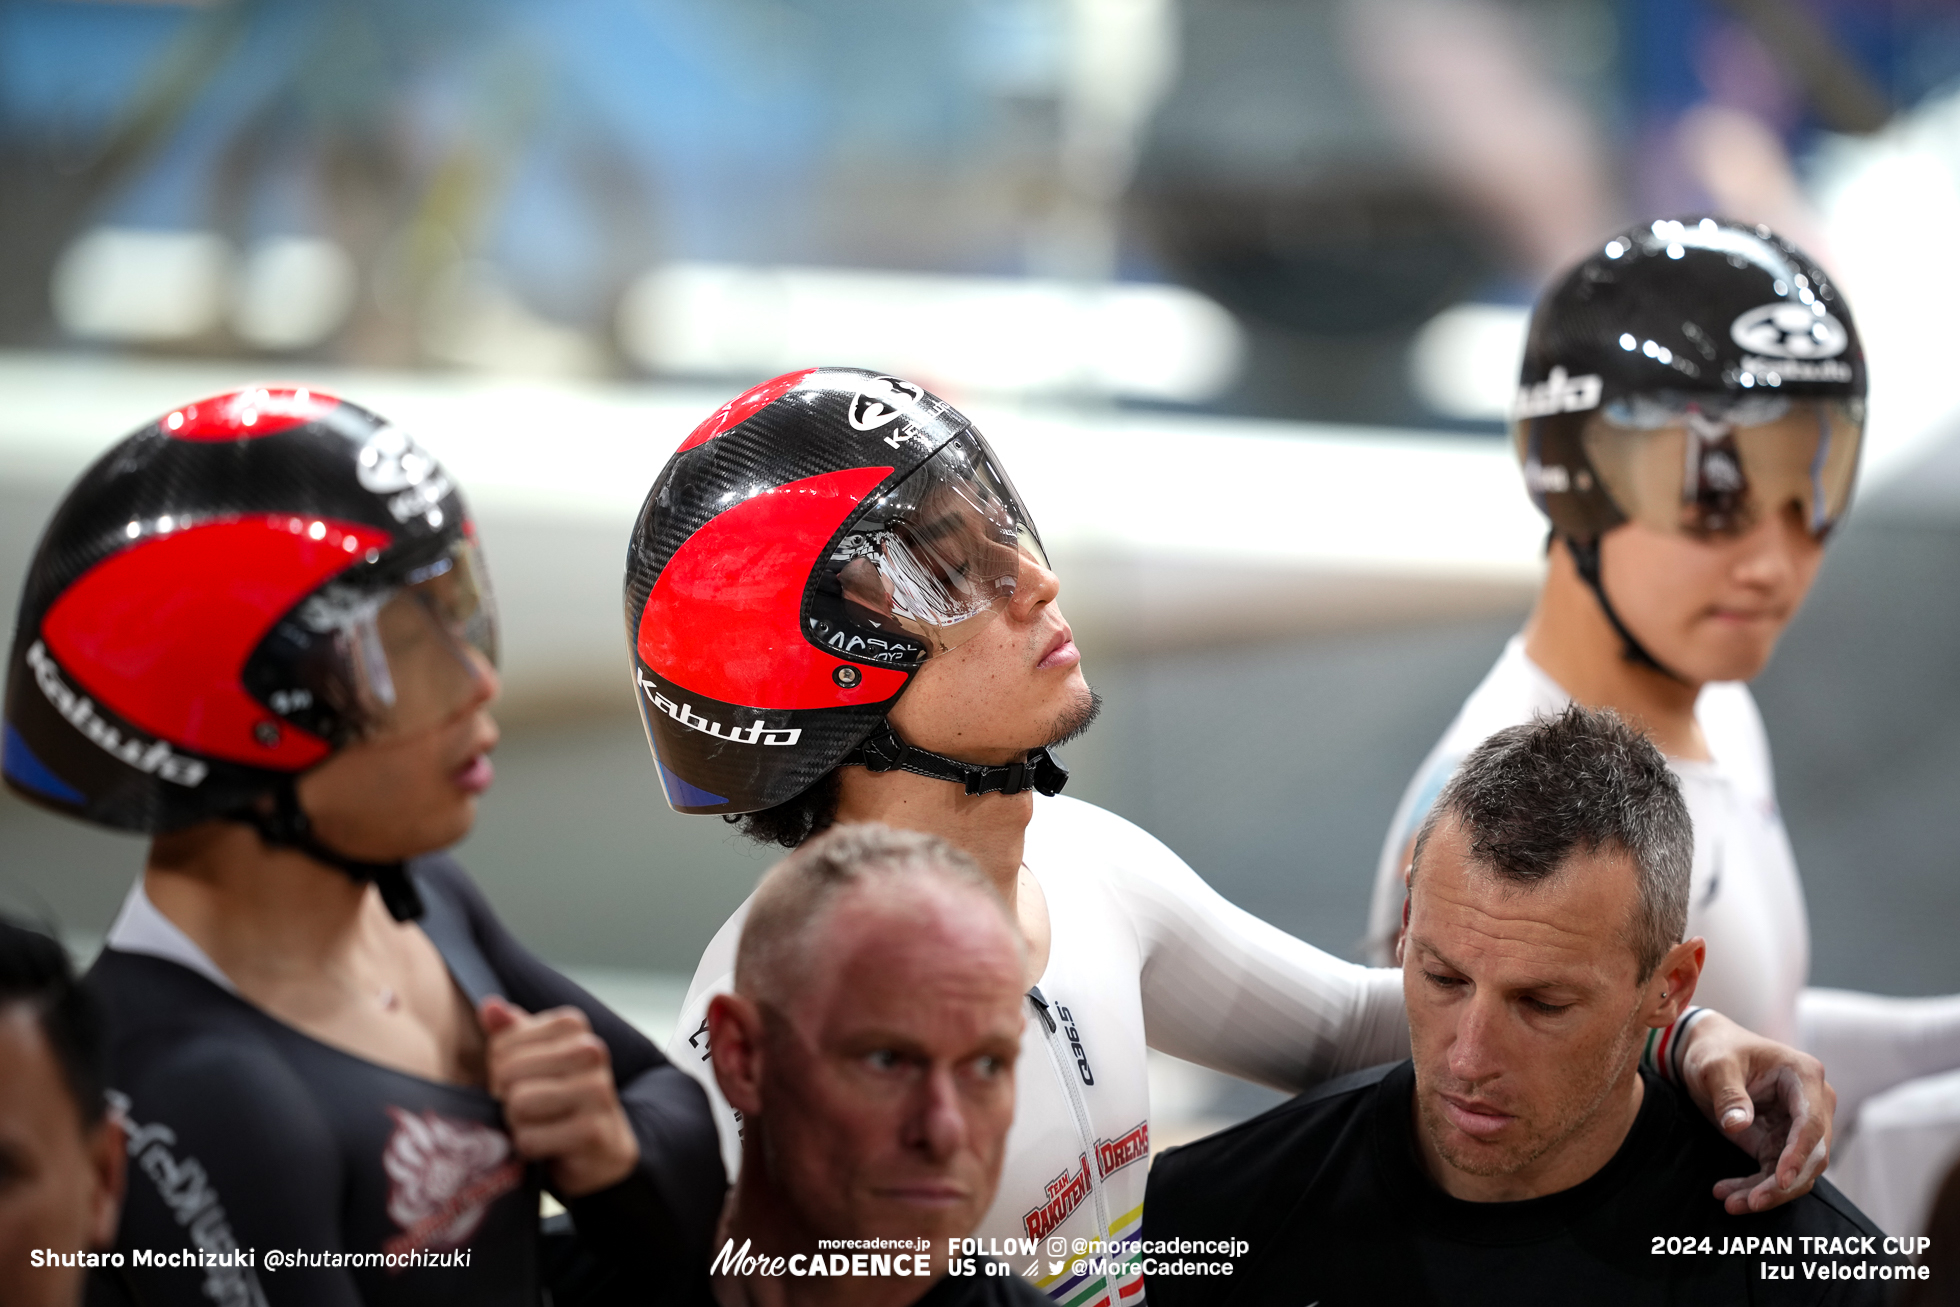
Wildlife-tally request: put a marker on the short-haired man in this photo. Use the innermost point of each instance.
(869, 1046)
(840, 611)
(61, 1157)
(1521, 1155)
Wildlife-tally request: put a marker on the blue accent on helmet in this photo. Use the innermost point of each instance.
(30, 773)
(682, 795)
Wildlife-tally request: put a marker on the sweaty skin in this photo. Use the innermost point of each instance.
(1526, 1016)
(60, 1185)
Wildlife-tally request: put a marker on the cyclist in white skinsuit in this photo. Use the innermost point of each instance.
(1678, 559)
(875, 550)
(1143, 952)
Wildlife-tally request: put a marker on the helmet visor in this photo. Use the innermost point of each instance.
(398, 660)
(1703, 468)
(924, 567)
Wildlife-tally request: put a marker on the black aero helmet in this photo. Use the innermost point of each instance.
(801, 555)
(226, 598)
(1694, 375)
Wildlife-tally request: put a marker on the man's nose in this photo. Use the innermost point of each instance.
(1769, 560)
(935, 1123)
(1036, 585)
(1475, 1051)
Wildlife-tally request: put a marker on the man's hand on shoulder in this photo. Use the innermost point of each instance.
(1770, 1100)
(554, 1078)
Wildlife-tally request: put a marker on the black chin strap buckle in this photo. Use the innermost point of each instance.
(883, 751)
(287, 826)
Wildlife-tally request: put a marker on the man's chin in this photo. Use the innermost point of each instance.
(1074, 721)
(1505, 1155)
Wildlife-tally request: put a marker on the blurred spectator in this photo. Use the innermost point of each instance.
(61, 1155)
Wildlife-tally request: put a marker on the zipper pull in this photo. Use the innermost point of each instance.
(1041, 1006)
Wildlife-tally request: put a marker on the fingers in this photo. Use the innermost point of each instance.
(1735, 1112)
(522, 1046)
(1804, 1100)
(1738, 1195)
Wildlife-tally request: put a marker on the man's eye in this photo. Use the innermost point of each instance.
(1443, 982)
(883, 1059)
(1548, 1009)
(988, 1067)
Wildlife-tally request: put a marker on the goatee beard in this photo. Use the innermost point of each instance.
(1076, 720)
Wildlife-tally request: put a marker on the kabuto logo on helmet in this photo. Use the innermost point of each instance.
(163, 671)
(1787, 330)
(877, 402)
(392, 461)
(1558, 393)
(151, 757)
(788, 574)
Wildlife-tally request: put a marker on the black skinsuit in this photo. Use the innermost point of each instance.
(247, 1134)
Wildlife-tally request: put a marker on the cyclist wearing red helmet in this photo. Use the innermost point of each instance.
(840, 610)
(258, 630)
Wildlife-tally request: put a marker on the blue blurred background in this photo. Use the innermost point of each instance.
(1241, 283)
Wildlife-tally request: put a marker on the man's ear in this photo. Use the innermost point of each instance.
(106, 1147)
(735, 1044)
(1672, 985)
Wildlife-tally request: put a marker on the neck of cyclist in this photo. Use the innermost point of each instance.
(1569, 636)
(990, 828)
(253, 908)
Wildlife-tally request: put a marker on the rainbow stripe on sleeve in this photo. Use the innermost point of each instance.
(1123, 1288)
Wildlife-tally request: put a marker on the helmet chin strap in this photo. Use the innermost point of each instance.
(1585, 556)
(883, 751)
(287, 826)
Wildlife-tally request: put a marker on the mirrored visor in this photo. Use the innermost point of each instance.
(924, 567)
(1702, 468)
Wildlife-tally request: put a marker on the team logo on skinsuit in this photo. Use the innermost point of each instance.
(1065, 1193)
(1115, 1154)
(877, 401)
(443, 1174)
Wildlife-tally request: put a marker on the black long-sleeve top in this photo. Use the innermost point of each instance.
(248, 1135)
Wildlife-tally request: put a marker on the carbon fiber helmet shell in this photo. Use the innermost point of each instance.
(158, 676)
(750, 685)
(1694, 309)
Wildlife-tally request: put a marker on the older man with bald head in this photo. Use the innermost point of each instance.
(869, 1047)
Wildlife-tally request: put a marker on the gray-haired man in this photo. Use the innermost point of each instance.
(1521, 1155)
(869, 1046)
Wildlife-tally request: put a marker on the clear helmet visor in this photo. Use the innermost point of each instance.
(1701, 467)
(926, 566)
(413, 656)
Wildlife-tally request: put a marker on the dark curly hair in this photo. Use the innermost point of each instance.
(791, 822)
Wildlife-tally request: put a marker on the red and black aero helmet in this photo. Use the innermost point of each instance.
(224, 599)
(803, 552)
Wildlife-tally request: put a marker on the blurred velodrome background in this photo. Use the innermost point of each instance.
(1237, 286)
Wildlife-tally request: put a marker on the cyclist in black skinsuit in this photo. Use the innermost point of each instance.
(256, 630)
(245, 1132)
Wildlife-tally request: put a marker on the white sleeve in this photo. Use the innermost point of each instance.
(1226, 990)
(1868, 1043)
(1385, 903)
(688, 1049)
